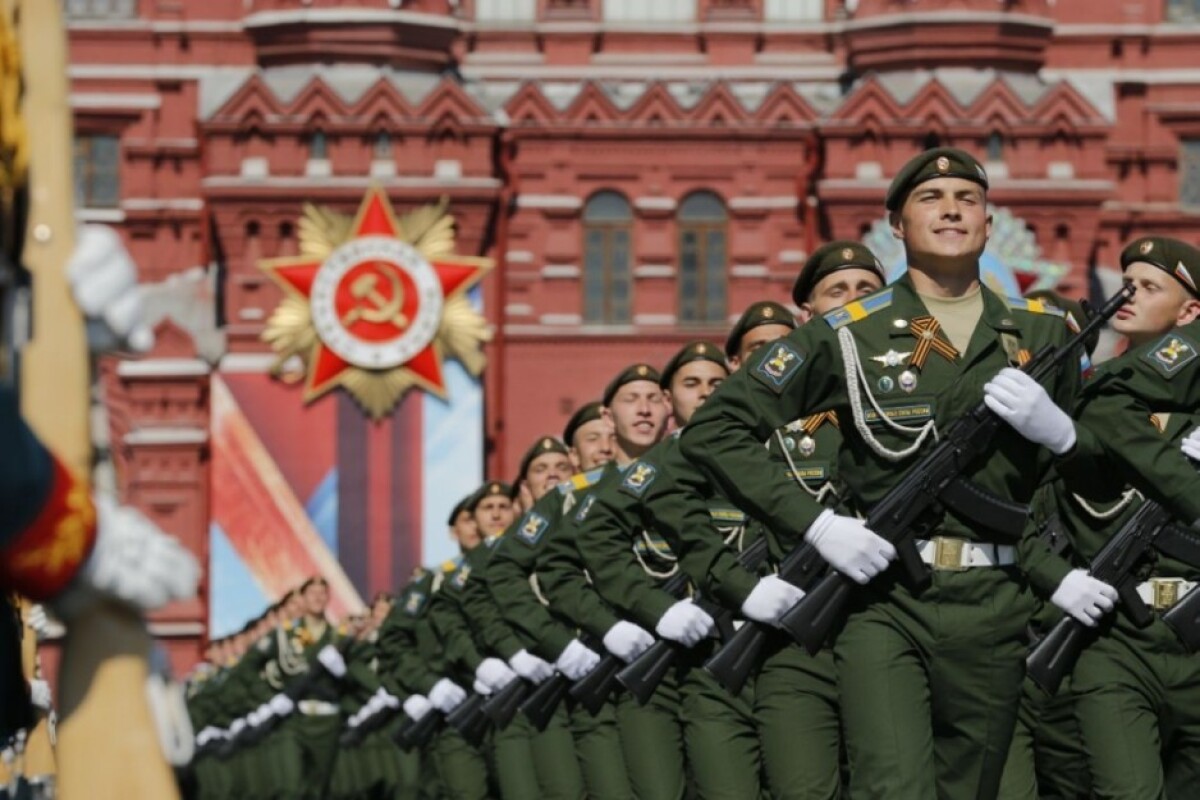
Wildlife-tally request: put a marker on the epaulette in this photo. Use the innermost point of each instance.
(859, 309)
(450, 564)
(1034, 306)
(581, 480)
(288, 624)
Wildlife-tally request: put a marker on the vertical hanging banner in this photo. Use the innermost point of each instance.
(350, 477)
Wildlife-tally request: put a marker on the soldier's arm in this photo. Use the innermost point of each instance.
(797, 375)
(399, 661)
(563, 580)
(490, 629)
(605, 541)
(450, 624)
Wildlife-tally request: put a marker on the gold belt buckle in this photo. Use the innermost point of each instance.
(948, 554)
(1166, 592)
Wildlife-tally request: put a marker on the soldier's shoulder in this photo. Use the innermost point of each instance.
(860, 309)
(581, 480)
(1026, 305)
(1172, 354)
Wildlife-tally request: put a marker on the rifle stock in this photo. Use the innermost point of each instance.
(593, 690)
(1184, 619)
(469, 720)
(541, 704)
(502, 706)
(415, 734)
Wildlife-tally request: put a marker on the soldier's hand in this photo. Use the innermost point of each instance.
(1021, 401)
(1191, 445)
(416, 707)
(530, 667)
(494, 674)
(36, 619)
(1084, 598)
(770, 599)
(40, 695)
(685, 622)
(332, 660)
(850, 546)
(103, 280)
(446, 695)
(576, 660)
(627, 641)
(281, 705)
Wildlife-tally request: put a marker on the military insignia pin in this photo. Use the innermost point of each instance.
(908, 380)
(808, 446)
(1145, 247)
(943, 163)
(892, 358)
(847, 254)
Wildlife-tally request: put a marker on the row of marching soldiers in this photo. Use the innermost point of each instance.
(915, 482)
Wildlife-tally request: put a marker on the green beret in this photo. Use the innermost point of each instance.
(546, 444)
(489, 489)
(940, 162)
(588, 412)
(830, 258)
(631, 374)
(1178, 259)
(692, 351)
(1076, 312)
(459, 507)
(764, 312)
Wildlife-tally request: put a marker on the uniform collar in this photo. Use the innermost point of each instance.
(906, 304)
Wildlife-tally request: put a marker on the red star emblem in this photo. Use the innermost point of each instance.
(376, 300)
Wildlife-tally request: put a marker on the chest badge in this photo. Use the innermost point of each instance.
(892, 358)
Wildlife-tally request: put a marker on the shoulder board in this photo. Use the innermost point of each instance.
(288, 624)
(859, 309)
(581, 480)
(450, 564)
(1033, 306)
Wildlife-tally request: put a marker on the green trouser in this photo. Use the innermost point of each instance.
(1137, 699)
(461, 767)
(653, 743)
(309, 747)
(719, 731)
(598, 748)
(1046, 760)
(796, 705)
(930, 686)
(212, 778)
(347, 778)
(542, 764)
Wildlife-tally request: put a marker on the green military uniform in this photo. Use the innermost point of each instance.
(510, 579)
(940, 671)
(203, 704)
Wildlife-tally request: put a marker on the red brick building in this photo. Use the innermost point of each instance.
(640, 171)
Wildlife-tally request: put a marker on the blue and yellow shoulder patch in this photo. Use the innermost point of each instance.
(449, 565)
(780, 363)
(1034, 306)
(581, 480)
(532, 527)
(859, 309)
(1171, 353)
(638, 478)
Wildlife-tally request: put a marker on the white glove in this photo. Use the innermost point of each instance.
(850, 546)
(208, 734)
(1021, 401)
(576, 660)
(133, 561)
(357, 717)
(387, 699)
(281, 705)
(416, 706)
(446, 695)
(1191, 445)
(236, 726)
(258, 716)
(530, 667)
(39, 694)
(103, 280)
(36, 619)
(332, 660)
(770, 599)
(1083, 597)
(626, 641)
(685, 622)
(494, 674)
(479, 687)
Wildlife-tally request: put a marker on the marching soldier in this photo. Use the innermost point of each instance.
(940, 670)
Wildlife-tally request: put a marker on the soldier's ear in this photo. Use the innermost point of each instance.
(897, 224)
(1190, 311)
(805, 313)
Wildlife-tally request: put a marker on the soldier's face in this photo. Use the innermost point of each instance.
(294, 606)
(380, 610)
(316, 599)
(494, 514)
(691, 385)
(835, 290)
(594, 444)
(465, 531)
(944, 224)
(1159, 304)
(639, 413)
(754, 339)
(547, 471)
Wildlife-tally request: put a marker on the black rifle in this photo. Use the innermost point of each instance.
(416, 733)
(593, 690)
(543, 701)
(469, 720)
(1184, 619)
(737, 660)
(643, 675)
(1054, 657)
(503, 703)
(935, 482)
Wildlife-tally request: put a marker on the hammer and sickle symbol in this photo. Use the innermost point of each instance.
(377, 308)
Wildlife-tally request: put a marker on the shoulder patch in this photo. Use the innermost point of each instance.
(1171, 353)
(638, 478)
(859, 309)
(585, 507)
(449, 565)
(1034, 306)
(460, 578)
(532, 527)
(777, 368)
(414, 603)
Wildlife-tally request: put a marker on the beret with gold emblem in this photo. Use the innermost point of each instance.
(830, 258)
(489, 489)
(764, 312)
(546, 444)
(1178, 259)
(692, 351)
(940, 162)
(588, 412)
(459, 507)
(631, 374)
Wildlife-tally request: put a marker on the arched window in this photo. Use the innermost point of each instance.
(607, 290)
(318, 147)
(381, 148)
(995, 147)
(702, 258)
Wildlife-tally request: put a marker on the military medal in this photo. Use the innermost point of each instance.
(886, 384)
(908, 380)
(808, 446)
(892, 358)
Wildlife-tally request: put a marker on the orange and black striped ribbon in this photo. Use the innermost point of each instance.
(810, 424)
(926, 330)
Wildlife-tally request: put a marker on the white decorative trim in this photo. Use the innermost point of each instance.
(383, 168)
(105, 215)
(169, 629)
(948, 18)
(518, 310)
(165, 436)
(868, 171)
(631, 70)
(655, 203)
(162, 141)
(654, 319)
(556, 201)
(162, 204)
(151, 72)
(518, 257)
(552, 271)
(343, 182)
(318, 168)
(747, 203)
(750, 271)
(792, 256)
(162, 368)
(109, 100)
(253, 168)
(654, 271)
(560, 319)
(252, 314)
(155, 26)
(246, 362)
(346, 16)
